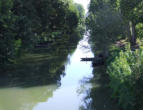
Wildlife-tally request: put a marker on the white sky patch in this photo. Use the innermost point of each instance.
(84, 3)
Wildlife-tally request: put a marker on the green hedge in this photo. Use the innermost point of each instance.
(126, 78)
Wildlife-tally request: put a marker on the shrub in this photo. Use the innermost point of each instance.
(125, 74)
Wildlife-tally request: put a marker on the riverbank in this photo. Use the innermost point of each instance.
(119, 81)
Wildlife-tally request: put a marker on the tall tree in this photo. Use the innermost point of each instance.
(104, 24)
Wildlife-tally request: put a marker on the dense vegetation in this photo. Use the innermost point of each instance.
(126, 75)
(25, 25)
(111, 20)
(113, 26)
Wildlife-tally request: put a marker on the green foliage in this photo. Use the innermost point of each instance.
(81, 10)
(109, 21)
(125, 72)
(139, 29)
(131, 10)
(105, 26)
(7, 33)
(24, 23)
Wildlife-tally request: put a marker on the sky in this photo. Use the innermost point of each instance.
(84, 3)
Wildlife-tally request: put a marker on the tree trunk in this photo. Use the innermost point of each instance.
(128, 31)
(132, 33)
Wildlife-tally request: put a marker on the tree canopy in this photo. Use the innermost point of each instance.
(111, 20)
(23, 24)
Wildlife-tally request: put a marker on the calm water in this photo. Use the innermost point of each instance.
(69, 95)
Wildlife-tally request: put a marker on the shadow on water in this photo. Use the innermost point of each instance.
(34, 79)
(41, 67)
(99, 96)
(30, 83)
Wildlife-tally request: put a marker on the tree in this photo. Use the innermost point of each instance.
(7, 33)
(105, 26)
(24, 24)
(131, 11)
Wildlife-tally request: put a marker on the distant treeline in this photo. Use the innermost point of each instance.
(25, 23)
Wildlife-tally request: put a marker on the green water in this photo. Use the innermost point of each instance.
(55, 81)
(24, 98)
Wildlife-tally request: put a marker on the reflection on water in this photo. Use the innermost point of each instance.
(99, 96)
(34, 86)
(70, 95)
(37, 69)
(24, 98)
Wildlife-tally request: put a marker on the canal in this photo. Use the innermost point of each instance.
(32, 91)
(70, 95)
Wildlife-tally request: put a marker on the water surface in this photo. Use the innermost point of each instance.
(70, 95)
(39, 94)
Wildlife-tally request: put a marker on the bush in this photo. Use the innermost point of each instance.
(126, 78)
(139, 29)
